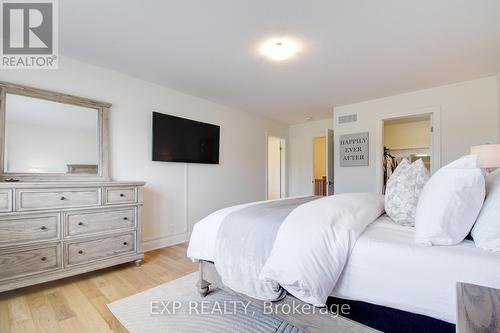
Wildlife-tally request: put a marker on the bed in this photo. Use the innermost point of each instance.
(387, 268)
(384, 268)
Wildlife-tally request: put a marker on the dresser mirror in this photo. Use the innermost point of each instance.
(52, 136)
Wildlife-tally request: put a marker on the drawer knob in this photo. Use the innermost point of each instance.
(44, 228)
(80, 223)
(125, 243)
(125, 218)
(122, 195)
(63, 198)
(80, 252)
(44, 258)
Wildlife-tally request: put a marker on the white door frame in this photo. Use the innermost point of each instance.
(330, 171)
(435, 149)
(283, 181)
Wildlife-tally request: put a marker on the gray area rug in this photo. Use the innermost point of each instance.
(176, 307)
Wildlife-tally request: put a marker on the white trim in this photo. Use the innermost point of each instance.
(266, 165)
(435, 149)
(312, 162)
(283, 166)
(187, 224)
(166, 241)
(330, 163)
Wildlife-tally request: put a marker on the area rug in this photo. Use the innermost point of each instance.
(176, 307)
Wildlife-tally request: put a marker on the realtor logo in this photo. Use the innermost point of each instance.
(29, 34)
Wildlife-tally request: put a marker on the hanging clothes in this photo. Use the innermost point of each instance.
(390, 164)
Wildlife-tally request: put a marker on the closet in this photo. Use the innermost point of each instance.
(409, 138)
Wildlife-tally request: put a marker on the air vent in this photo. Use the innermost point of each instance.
(350, 118)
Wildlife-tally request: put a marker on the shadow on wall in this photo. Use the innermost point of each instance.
(160, 231)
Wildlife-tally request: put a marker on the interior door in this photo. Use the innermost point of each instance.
(329, 162)
(273, 168)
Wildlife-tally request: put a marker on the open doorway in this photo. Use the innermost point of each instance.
(433, 131)
(276, 186)
(406, 138)
(323, 164)
(319, 165)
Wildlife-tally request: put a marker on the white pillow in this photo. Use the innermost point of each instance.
(450, 203)
(486, 231)
(403, 189)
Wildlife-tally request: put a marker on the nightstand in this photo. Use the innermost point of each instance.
(478, 309)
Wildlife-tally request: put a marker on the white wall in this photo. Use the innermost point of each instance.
(176, 195)
(407, 135)
(300, 152)
(469, 116)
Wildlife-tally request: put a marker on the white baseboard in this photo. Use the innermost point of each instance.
(166, 241)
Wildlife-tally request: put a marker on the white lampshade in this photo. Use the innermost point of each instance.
(488, 155)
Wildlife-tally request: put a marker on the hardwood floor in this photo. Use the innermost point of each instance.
(78, 304)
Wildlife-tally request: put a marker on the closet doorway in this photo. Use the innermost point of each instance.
(409, 137)
(275, 180)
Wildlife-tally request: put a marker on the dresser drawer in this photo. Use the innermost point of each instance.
(5, 201)
(27, 262)
(119, 195)
(29, 228)
(31, 199)
(83, 223)
(99, 249)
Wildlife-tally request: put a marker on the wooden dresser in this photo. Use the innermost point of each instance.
(54, 230)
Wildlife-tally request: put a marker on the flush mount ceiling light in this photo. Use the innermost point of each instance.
(279, 49)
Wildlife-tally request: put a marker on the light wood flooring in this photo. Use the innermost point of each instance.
(78, 304)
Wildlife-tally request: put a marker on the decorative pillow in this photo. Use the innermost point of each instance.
(403, 189)
(486, 231)
(450, 203)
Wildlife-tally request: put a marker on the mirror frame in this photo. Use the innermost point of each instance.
(102, 110)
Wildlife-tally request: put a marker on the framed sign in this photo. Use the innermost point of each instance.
(354, 149)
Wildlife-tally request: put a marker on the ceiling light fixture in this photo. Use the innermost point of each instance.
(279, 49)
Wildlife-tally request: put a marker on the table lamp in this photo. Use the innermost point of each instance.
(488, 156)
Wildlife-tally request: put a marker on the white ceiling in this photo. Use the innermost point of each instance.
(353, 50)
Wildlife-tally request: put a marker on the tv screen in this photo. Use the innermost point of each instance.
(182, 140)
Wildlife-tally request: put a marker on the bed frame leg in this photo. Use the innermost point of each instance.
(203, 286)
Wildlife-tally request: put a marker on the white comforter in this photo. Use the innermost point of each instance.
(387, 267)
(312, 244)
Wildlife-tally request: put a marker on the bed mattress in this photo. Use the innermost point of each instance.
(387, 268)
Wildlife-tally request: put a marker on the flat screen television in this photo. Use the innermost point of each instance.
(178, 139)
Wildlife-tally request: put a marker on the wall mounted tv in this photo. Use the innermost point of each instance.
(182, 140)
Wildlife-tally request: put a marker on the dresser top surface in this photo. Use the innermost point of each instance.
(69, 184)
